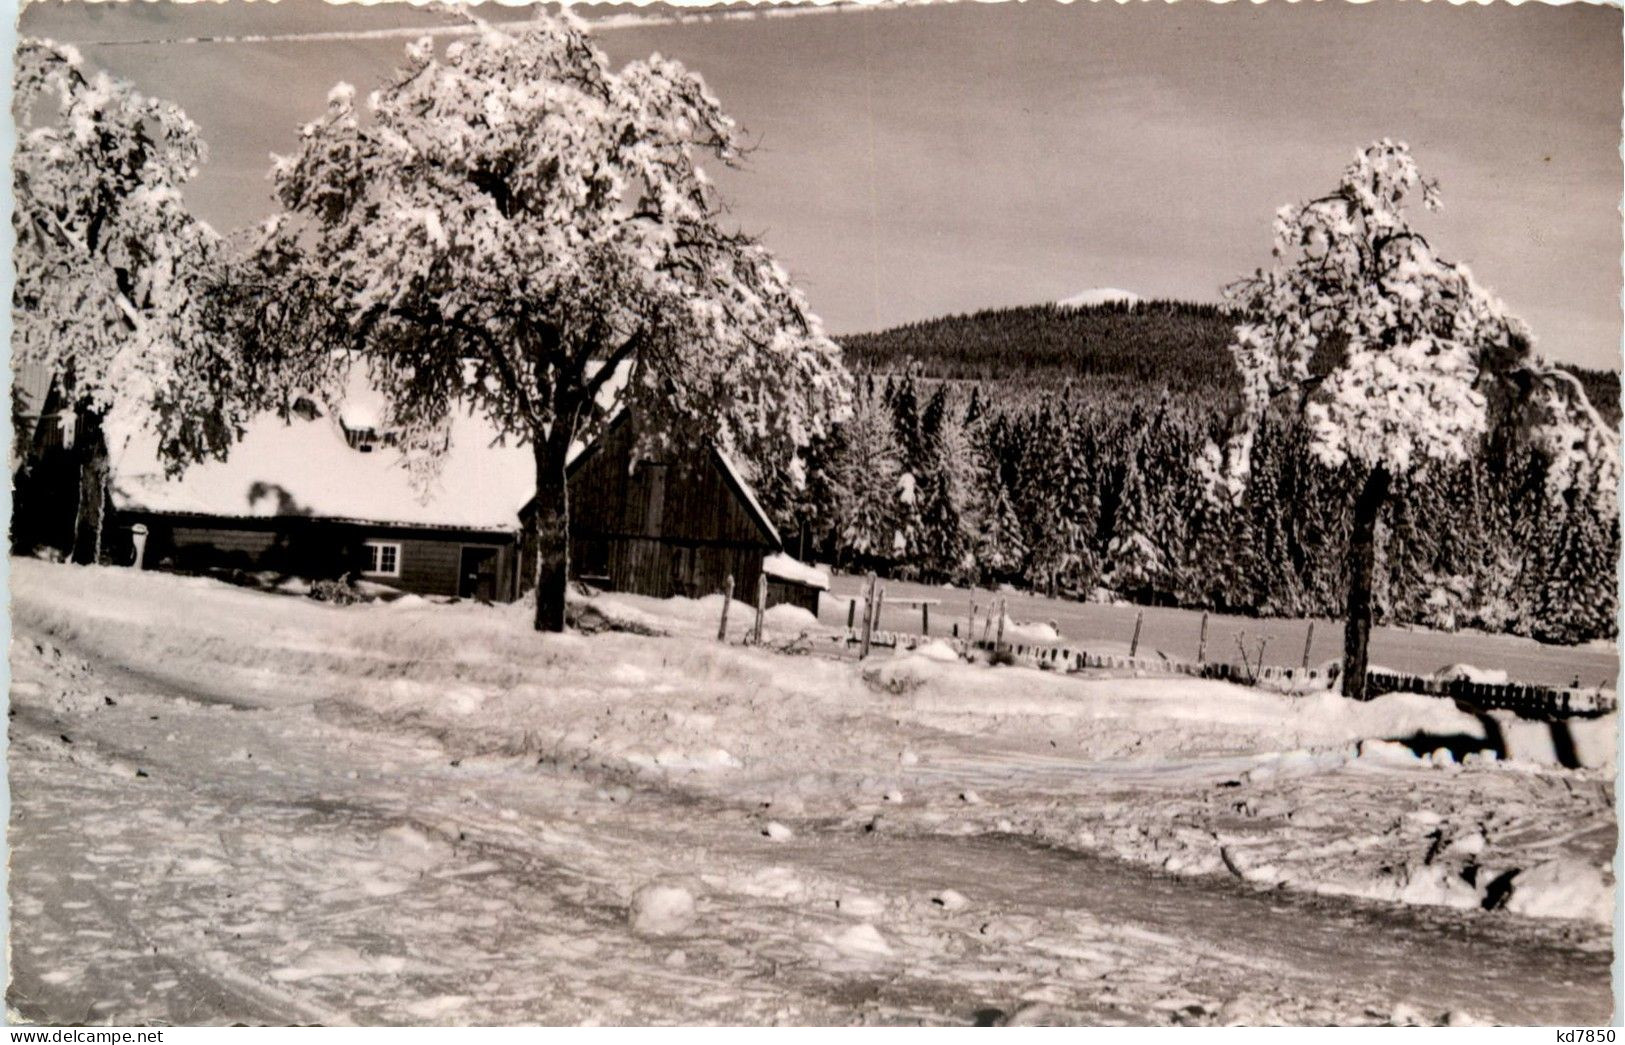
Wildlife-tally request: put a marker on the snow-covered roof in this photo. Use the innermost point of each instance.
(786, 568)
(306, 467)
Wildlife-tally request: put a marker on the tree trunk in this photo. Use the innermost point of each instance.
(1362, 564)
(551, 528)
(90, 519)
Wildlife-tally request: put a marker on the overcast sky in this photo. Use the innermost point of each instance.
(914, 162)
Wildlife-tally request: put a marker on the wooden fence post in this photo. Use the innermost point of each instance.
(851, 612)
(998, 639)
(761, 604)
(1308, 640)
(868, 616)
(1134, 644)
(727, 597)
(925, 618)
(1201, 643)
(880, 604)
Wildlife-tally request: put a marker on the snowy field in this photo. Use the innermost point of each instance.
(1177, 633)
(234, 806)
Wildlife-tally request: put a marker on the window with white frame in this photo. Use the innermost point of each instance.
(383, 559)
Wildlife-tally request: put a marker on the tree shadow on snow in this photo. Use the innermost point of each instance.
(1423, 743)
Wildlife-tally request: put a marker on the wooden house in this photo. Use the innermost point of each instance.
(320, 497)
(677, 526)
(329, 496)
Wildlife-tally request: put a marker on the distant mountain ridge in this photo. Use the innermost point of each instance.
(1136, 349)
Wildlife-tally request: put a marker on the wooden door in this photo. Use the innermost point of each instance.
(477, 579)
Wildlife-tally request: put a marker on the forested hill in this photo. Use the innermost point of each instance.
(1154, 344)
(1144, 348)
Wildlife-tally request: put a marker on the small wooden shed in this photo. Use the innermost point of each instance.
(677, 526)
(794, 583)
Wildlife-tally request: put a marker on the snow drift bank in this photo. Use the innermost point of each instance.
(1402, 798)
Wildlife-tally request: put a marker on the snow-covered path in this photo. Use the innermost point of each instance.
(179, 857)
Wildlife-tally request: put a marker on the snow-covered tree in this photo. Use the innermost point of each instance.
(903, 397)
(997, 538)
(116, 280)
(1043, 473)
(1579, 597)
(508, 225)
(945, 481)
(864, 474)
(1409, 351)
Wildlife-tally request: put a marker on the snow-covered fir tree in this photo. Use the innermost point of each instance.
(945, 484)
(1041, 485)
(1579, 596)
(1136, 559)
(509, 224)
(865, 467)
(997, 542)
(903, 398)
(1080, 502)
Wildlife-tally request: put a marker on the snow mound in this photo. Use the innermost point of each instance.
(861, 941)
(1100, 296)
(1593, 742)
(1469, 673)
(937, 650)
(1298, 763)
(1030, 631)
(661, 909)
(1440, 886)
(1563, 888)
(786, 616)
(772, 883)
(1388, 752)
(407, 847)
(857, 905)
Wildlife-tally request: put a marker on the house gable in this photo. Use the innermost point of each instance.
(694, 498)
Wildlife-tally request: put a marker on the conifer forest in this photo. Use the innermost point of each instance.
(1058, 449)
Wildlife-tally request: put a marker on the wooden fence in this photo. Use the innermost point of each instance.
(1527, 701)
(1534, 702)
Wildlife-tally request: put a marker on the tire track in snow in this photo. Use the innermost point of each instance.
(756, 955)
